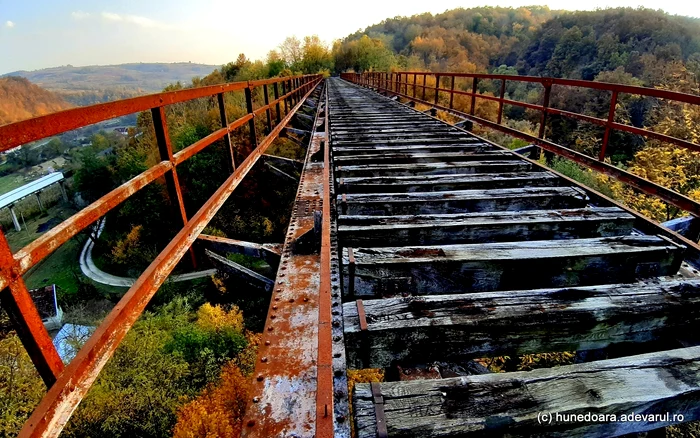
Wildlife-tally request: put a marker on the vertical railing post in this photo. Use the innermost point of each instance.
(268, 113)
(224, 124)
(608, 125)
(425, 76)
(452, 90)
(414, 85)
(284, 93)
(276, 91)
(172, 182)
(545, 105)
(543, 118)
(437, 89)
(26, 320)
(473, 105)
(251, 122)
(500, 101)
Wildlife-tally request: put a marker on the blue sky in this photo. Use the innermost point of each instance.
(46, 33)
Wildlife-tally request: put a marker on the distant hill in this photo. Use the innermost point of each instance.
(145, 76)
(20, 100)
(102, 83)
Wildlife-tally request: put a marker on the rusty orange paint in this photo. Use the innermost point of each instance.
(324, 390)
(74, 381)
(293, 377)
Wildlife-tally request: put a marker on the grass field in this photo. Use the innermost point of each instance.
(11, 182)
(61, 267)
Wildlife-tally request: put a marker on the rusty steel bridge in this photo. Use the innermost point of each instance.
(417, 247)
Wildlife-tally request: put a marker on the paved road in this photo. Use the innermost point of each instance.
(87, 266)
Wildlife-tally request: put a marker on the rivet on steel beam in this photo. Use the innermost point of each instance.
(291, 300)
(251, 423)
(273, 316)
(256, 399)
(274, 307)
(260, 378)
(269, 329)
(263, 359)
(306, 299)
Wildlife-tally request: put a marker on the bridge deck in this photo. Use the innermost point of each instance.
(454, 249)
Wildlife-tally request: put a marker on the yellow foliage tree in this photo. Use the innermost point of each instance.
(128, 246)
(219, 410)
(669, 166)
(216, 318)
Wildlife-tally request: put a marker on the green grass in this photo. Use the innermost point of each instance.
(60, 267)
(11, 182)
(581, 174)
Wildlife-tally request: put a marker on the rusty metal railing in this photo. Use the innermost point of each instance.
(397, 83)
(68, 385)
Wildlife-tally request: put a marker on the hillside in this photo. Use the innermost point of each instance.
(528, 40)
(102, 83)
(20, 100)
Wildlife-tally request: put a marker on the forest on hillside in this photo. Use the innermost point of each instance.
(20, 100)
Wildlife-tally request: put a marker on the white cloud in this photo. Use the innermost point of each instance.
(137, 20)
(9, 24)
(111, 16)
(80, 15)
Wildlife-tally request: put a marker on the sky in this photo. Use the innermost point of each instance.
(37, 34)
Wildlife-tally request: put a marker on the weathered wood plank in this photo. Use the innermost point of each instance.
(475, 146)
(437, 183)
(422, 157)
(374, 131)
(405, 141)
(440, 269)
(461, 327)
(397, 136)
(509, 403)
(499, 226)
(462, 201)
(432, 168)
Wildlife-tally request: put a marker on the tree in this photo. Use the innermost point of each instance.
(219, 411)
(316, 56)
(94, 178)
(21, 388)
(275, 63)
(291, 51)
(668, 165)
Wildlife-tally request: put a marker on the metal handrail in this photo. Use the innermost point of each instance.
(397, 83)
(68, 385)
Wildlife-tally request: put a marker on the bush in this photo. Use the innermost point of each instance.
(163, 362)
(21, 388)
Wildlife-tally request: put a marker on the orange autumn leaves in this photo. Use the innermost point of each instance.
(218, 411)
